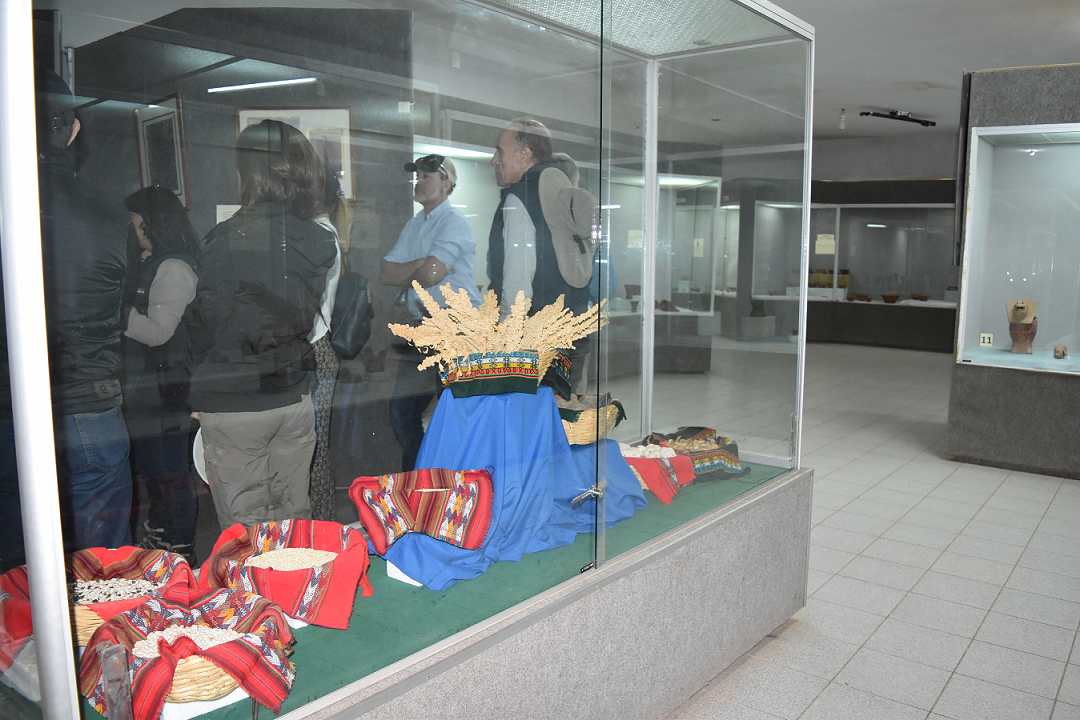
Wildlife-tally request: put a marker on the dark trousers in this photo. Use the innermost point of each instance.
(160, 448)
(413, 392)
(95, 477)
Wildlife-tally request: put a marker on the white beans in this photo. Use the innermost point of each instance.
(87, 592)
(291, 559)
(203, 635)
(646, 451)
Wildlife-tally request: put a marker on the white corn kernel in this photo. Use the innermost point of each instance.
(203, 635)
(291, 559)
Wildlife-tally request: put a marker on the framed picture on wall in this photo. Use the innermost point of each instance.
(326, 128)
(159, 132)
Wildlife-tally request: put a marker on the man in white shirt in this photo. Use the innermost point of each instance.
(435, 248)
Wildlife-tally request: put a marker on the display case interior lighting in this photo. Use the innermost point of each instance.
(456, 152)
(261, 85)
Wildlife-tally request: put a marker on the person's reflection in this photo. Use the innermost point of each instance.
(155, 393)
(84, 243)
(435, 248)
(262, 273)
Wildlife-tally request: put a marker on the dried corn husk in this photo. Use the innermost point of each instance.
(460, 330)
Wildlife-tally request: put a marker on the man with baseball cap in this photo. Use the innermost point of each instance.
(436, 248)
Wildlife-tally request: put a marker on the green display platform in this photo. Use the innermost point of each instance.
(399, 620)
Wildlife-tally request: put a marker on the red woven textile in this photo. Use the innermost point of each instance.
(16, 625)
(449, 505)
(257, 661)
(323, 595)
(663, 476)
(132, 563)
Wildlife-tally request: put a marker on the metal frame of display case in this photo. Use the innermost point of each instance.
(23, 282)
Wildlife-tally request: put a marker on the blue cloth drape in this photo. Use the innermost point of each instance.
(536, 474)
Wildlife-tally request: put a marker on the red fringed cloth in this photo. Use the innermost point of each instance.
(663, 476)
(16, 625)
(257, 661)
(167, 569)
(321, 595)
(449, 505)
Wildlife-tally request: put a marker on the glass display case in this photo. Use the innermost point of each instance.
(893, 254)
(1022, 243)
(658, 119)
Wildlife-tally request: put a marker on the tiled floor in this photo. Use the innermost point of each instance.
(937, 589)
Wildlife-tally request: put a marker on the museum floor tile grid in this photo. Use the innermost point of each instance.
(936, 589)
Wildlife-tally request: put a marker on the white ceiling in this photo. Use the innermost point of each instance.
(879, 55)
(911, 55)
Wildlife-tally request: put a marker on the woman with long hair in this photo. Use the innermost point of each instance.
(155, 392)
(262, 275)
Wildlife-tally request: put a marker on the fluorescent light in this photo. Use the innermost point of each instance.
(259, 85)
(423, 148)
(877, 225)
(610, 207)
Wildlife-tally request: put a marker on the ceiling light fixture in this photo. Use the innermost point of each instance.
(899, 115)
(260, 85)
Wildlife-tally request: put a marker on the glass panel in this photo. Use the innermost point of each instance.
(181, 99)
(736, 117)
(901, 252)
(1022, 244)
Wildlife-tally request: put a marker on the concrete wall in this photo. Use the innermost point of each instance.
(909, 157)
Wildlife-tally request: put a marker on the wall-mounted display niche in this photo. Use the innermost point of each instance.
(1021, 298)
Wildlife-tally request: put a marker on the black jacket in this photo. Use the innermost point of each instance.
(84, 244)
(262, 274)
(156, 378)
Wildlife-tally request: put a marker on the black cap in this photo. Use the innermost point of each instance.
(435, 163)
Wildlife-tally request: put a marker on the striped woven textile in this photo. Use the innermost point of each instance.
(449, 505)
(167, 569)
(258, 660)
(715, 464)
(493, 373)
(16, 625)
(322, 595)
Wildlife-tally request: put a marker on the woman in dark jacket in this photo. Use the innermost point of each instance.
(155, 391)
(262, 274)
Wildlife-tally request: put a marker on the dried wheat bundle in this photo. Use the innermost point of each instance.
(460, 330)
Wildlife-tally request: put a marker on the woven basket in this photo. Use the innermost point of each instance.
(197, 679)
(587, 429)
(86, 622)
